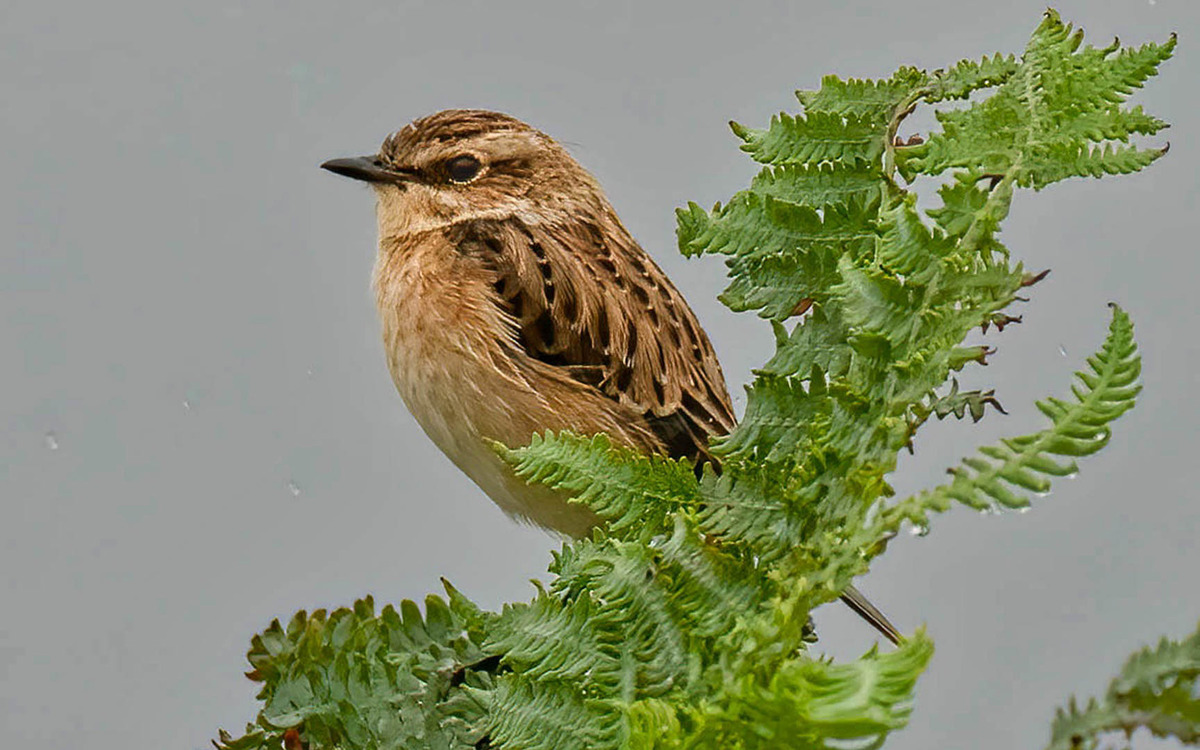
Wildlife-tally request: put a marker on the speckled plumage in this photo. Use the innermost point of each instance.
(518, 303)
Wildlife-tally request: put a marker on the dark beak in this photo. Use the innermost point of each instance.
(365, 168)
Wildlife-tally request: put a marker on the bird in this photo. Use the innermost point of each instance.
(513, 301)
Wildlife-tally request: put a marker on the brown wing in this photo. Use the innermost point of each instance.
(588, 299)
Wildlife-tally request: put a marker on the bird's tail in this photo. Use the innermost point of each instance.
(855, 600)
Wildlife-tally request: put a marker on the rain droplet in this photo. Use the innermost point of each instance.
(1062, 350)
(293, 488)
(919, 530)
(51, 441)
(187, 405)
(308, 372)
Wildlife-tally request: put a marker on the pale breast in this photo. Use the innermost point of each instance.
(450, 352)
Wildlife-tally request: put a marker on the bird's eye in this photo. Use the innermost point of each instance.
(463, 168)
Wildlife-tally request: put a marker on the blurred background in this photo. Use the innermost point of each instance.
(198, 432)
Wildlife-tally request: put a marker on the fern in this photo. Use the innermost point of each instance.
(1007, 472)
(629, 491)
(685, 621)
(356, 678)
(1158, 689)
(803, 703)
(1055, 116)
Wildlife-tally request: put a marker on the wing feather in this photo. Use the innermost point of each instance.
(585, 297)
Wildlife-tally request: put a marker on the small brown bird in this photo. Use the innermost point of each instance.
(514, 301)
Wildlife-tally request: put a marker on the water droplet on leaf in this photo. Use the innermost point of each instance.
(918, 530)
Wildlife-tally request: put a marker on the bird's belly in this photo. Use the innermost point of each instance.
(463, 405)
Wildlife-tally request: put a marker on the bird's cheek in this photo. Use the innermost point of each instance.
(396, 199)
(449, 203)
(417, 208)
(396, 210)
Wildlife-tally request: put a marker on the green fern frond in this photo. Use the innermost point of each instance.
(548, 639)
(1053, 117)
(967, 76)
(745, 506)
(880, 304)
(253, 738)
(782, 252)
(691, 222)
(963, 201)
(1158, 689)
(815, 138)
(711, 589)
(1006, 473)
(633, 612)
(961, 403)
(1060, 161)
(818, 186)
(806, 702)
(1154, 669)
(821, 344)
(633, 493)
(864, 100)
(547, 715)
(619, 622)
(351, 677)
(781, 418)
(654, 724)
(906, 247)
(780, 286)
(870, 696)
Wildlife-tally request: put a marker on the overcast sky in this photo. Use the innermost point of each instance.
(198, 432)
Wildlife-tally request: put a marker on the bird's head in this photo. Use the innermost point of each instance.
(464, 164)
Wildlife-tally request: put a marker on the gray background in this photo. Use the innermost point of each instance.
(198, 433)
